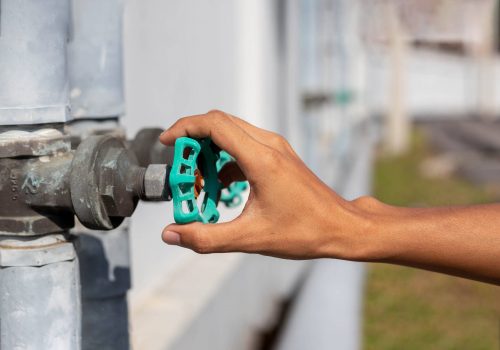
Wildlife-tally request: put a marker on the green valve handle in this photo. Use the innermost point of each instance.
(194, 168)
(230, 196)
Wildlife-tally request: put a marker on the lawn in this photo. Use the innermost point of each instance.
(408, 309)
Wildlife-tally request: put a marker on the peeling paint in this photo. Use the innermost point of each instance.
(31, 184)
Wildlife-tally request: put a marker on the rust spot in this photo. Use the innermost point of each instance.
(199, 182)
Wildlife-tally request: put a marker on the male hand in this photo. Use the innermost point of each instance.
(290, 212)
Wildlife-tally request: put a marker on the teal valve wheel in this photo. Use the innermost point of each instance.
(230, 196)
(194, 169)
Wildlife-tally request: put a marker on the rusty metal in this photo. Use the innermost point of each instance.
(101, 182)
(35, 191)
(198, 183)
(105, 181)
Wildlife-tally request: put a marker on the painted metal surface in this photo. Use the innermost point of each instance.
(33, 180)
(38, 251)
(95, 59)
(96, 79)
(104, 259)
(33, 37)
(39, 294)
(39, 274)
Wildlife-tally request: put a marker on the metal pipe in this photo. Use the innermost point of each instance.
(95, 59)
(33, 71)
(97, 101)
(39, 273)
(104, 259)
(39, 289)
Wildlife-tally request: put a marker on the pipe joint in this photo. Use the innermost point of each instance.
(100, 182)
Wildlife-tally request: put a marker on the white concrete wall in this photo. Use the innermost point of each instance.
(436, 84)
(179, 60)
(185, 57)
(189, 56)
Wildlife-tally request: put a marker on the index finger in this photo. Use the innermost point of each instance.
(222, 130)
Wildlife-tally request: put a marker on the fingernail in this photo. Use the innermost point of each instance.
(171, 237)
(163, 133)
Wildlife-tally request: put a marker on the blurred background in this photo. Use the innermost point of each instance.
(392, 98)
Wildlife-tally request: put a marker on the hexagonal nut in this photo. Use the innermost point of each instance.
(155, 182)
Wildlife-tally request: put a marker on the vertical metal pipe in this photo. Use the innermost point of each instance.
(105, 278)
(97, 101)
(39, 293)
(95, 59)
(33, 71)
(39, 274)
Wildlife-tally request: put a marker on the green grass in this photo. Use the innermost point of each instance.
(408, 309)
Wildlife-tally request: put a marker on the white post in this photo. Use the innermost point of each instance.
(485, 59)
(397, 121)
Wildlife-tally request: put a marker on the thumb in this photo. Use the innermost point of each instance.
(205, 238)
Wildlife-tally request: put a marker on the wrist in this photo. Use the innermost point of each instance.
(368, 229)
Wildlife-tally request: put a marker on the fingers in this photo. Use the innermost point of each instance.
(222, 130)
(265, 137)
(206, 238)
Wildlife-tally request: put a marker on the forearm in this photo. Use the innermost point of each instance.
(462, 241)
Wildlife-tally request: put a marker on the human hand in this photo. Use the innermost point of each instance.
(290, 212)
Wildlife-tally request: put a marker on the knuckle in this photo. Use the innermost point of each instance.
(279, 142)
(214, 112)
(272, 159)
(220, 120)
(181, 122)
(218, 115)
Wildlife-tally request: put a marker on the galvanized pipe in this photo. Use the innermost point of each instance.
(39, 293)
(33, 70)
(104, 260)
(39, 273)
(95, 59)
(97, 101)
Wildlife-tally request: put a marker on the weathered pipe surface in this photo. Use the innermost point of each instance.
(39, 294)
(105, 279)
(114, 182)
(36, 195)
(33, 66)
(149, 150)
(101, 183)
(95, 59)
